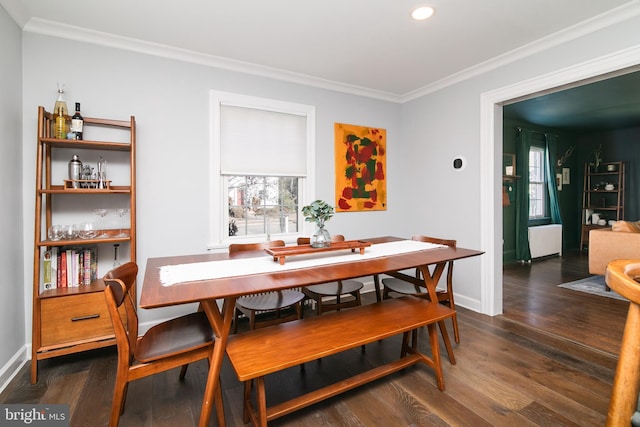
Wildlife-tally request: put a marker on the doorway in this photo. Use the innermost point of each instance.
(491, 120)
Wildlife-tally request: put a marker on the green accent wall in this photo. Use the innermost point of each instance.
(617, 145)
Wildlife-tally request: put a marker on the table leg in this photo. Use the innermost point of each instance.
(376, 283)
(430, 282)
(221, 324)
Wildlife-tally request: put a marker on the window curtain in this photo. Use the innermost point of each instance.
(550, 158)
(523, 144)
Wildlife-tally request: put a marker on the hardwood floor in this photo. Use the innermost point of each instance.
(549, 360)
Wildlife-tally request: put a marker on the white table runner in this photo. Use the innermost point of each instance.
(176, 274)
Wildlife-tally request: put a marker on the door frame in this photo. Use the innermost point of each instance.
(491, 104)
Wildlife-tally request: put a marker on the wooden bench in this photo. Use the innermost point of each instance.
(264, 351)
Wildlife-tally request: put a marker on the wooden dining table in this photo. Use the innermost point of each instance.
(156, 293)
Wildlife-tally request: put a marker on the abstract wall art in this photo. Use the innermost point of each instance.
(360, 161)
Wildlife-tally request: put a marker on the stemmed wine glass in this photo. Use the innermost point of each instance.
(122, 212)
(101, 214)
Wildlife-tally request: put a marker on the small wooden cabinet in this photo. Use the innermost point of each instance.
(603, 194)
(72, 319)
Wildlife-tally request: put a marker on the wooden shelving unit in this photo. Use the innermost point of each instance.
(596, 198)
(68, 320)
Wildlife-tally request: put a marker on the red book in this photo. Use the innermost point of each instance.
(63, 269)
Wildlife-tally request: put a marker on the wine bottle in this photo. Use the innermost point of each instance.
(77, 122)
(59, 129)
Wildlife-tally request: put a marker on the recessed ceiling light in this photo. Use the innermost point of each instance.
(422, 13)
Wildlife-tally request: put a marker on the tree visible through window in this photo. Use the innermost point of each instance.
(262, 205)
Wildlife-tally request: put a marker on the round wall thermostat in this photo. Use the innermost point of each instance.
(459, 163)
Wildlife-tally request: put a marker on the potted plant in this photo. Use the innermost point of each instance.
(319, 212)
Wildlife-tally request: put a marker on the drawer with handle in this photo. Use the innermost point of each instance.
(74, 318)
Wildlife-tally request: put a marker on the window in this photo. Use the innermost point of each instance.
(263, 167)
(538, 196)
(261, 205)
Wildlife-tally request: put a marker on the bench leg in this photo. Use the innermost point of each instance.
(447, 342)
(435, 350)
(261, 403)
(405, 343)
(246, 401)
(257, 415)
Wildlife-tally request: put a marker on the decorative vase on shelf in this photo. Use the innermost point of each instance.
(321, 238)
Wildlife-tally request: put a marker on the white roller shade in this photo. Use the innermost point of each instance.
(262, 142)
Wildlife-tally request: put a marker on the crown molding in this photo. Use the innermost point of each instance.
(71, 32)
(611, 17)
(16, 13)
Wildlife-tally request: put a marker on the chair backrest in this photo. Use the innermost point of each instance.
(307, 240)
(435, 240)
(239, 247)
(438, 241)
(118, 283)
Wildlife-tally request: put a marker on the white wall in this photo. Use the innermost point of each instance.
(170, 101)
(448, 122)
(12, 290)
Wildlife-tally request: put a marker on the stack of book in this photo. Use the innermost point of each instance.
(69, 266)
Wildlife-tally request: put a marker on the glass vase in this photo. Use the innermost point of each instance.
(321, 238)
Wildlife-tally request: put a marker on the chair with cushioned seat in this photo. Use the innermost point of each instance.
(334, 290)
(445, 296)
(275, 307)
(167, 345)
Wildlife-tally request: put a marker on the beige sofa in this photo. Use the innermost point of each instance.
(622, 241)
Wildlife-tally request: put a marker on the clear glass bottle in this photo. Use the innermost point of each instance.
(60, 125)
(60, 102)
(61, 113)
(102, 173)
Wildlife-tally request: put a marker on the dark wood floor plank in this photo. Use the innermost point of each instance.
(497, 406)
(138, 405)
(544, 379)
(443, 406)
(549, 360)
(97, 392)
(553, 362)
(66, 389)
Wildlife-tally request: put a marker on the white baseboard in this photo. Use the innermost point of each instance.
(13, 366)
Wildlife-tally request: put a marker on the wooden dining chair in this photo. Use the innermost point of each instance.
(276, 307)
(622, 276)
(445, 296)
(167, 345)
(329, 296)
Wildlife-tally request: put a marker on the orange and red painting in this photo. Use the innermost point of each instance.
(360, 159)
